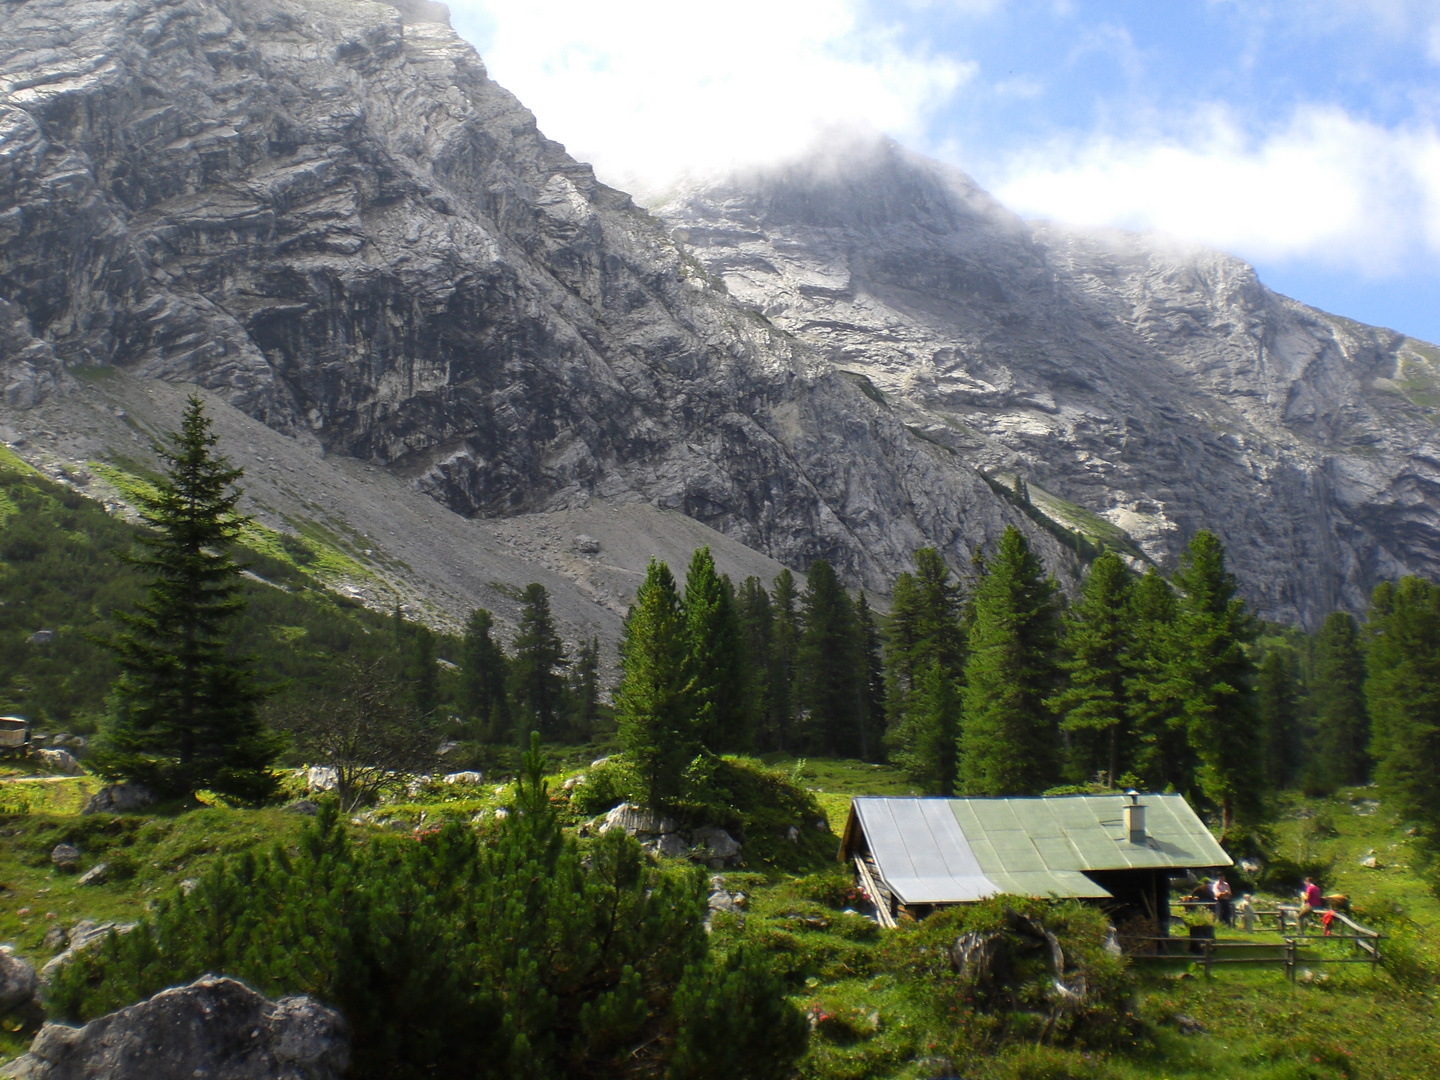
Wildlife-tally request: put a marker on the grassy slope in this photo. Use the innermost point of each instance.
(1354, 1024)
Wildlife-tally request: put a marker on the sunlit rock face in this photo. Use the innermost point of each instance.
(1160, 387)
(327, 213)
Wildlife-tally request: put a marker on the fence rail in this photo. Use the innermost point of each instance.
(1365, 944)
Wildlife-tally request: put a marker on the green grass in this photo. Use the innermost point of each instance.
(883, 1001)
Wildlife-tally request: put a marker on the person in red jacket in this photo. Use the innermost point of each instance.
(1310, 900)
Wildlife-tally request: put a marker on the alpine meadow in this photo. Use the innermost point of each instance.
(802, 621)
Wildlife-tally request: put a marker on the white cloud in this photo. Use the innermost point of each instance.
(648, 89)
(1327, 188)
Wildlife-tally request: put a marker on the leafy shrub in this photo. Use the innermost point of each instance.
(606, 786)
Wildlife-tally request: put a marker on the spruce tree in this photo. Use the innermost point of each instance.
(1275, 687)
(1210, 677)
(1094, 706)
(184, 715)
(902, 642)
(828, 674)
(537, 684)
(929, 743)
(1342, 723)
(717, 656)
(1008, 741)
(872, 680)
(1402, 689)
(484, 674)
(420, 675)
(1161, 755)
(655, 703)
(784, 649)
(757, 632)
(584, 690)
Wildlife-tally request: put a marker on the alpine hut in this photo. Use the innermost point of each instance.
(915, 854)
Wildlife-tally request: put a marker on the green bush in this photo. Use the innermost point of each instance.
(606, 786)
(449, 955)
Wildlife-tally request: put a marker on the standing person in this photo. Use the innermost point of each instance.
(1310, 900)
(1224, 907)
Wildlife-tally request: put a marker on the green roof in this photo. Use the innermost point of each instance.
(1026, 846)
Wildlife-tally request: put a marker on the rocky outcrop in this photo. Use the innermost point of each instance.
(119, 799)
(661, 835)
(17, 981)
(331, 216)
(1141, 387)
(214, 1027)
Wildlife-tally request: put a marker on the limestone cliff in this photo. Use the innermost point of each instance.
(1160, 388)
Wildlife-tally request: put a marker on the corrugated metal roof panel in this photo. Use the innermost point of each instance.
(1058, 883)
(920, 851)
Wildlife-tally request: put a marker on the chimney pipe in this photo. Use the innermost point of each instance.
(1135, 818)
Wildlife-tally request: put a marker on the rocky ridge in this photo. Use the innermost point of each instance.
(330, 217)
(1138, 385)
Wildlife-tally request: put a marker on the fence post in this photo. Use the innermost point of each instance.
(1205, 947)
(1290, 959)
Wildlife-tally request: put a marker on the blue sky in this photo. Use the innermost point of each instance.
(1303, 137)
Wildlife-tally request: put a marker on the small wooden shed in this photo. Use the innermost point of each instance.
(915, 854)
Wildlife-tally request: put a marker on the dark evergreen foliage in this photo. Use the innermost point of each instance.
(537, 682)
(712, 628)
(1163, 757)
(757, 637)
(185, 704)
(484, 680)
(586, 715)
(1337, 696)
(655, 703)
(1008, 741)
(1402, 690)
(784, 656)
(421, 677)
(1278, 695)
(872, 678)
(1094, 707)
(828, 670)
(452, 955)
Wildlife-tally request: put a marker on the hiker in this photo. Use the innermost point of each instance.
(1310, 900)
(1224, 908)
(1245, 908)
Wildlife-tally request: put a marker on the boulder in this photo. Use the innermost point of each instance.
(468, 777)
(17, 980)
(65, 857)
(714, 845)
(587, 545)
(302, 806)
(216, 1028)
(60, 760)
(95, 875)
(638, 821)
(320, 778)
(119, 799)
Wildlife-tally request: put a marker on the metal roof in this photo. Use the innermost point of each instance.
(931, 851)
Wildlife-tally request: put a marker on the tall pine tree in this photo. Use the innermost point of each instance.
(784, 652)
(1342, 722)
(717, 656)
(1008, 743)
(1402, 690)
(1210, 677)
(1161, 755)
(655, 703)
(184, 714)
(484, 675)
(872, 679)
(828, 673)
(536, 679)
(1094, 706)
(757, 631)
(1275, 687)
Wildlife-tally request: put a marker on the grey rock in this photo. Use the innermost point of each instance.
(712, 843)
(216, 1028)
(1160, 387)
(55, 940)
(308, 807)
(119, 799)
(42, 637)
(587, 545)
(638, 821)
(95, 875)
(320, 778)
(1188, 1025)
(671, 845)
(17, 980)
(82, 936)
(335, 220)
(468, 777)
(60, 760)
(65, 856)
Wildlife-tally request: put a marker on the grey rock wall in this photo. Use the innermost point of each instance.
(328, 214)
(1161, 387)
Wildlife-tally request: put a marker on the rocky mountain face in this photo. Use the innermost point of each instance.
(329, 216)
(1134, 383)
